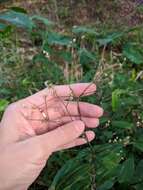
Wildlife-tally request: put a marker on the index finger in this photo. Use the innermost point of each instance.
(64, 91)
(76, 90)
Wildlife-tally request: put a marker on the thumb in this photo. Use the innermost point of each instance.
(60, 136)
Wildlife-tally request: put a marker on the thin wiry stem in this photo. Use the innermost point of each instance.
(93, 172)
(65, 106)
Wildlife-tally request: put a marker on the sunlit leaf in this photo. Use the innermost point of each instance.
(3, 104)
(115, 98)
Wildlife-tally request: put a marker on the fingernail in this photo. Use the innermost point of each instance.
(101, 111)
(91, 135)
(97, 123)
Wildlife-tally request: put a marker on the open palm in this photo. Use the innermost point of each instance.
(47, 110)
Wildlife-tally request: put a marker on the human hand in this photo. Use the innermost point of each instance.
(35, 127)
(47, 110)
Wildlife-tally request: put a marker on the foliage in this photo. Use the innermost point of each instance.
(112, 60)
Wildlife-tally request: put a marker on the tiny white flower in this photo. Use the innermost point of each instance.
(74, 40)
(82, 37)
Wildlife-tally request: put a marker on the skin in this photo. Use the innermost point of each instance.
(34, 128)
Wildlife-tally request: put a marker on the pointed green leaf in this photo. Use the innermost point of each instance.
(139, 143)
(86, 57)
(106, 185)
(127, 171)
(44, 20)
(122, 124)
(133, 52)
(59, 39)
(18, 19)
(83, 30)
(70, 174)
(110, 38)
(115, 98)
(18, 9)
(138, 175)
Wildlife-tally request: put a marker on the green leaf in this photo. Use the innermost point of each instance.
(138, 175)
(40, 58)
(122, 124)
(127, 171)
(44, 20)
(115, 98)
(106, 185)
(83, 30)
(18, 9)
(67, 56)
(59, 39)
(86, 57)
(70, 175)
(18, 19)
(2, 26)
(3, 104)
(139, 143)
(139, 186)
(133, 52)
(110, 38)
(111, 160)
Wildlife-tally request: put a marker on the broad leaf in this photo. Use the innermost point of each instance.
(110, 38)
(106, 185)
(59, 39)
(122, 124)
(86, 56)
(44, 20)
(2, 26)
(134, 53)
(139, 143)
(138, 175)
(18, 19)
(83, 30)
(127, 171)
